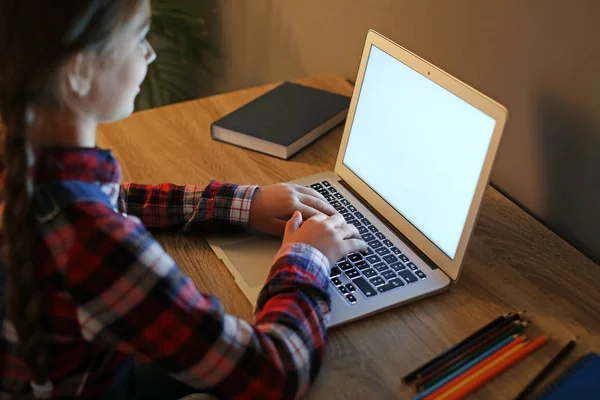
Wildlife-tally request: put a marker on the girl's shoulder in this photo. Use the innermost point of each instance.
(61, 203)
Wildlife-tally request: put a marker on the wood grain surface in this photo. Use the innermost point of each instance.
(513, 262)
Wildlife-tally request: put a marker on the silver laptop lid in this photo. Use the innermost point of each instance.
(418, 146)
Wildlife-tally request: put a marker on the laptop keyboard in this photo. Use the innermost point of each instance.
(383, 267)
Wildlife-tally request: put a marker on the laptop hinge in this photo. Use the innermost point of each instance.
(391, 227)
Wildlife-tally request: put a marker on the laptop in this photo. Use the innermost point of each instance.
(413, 164)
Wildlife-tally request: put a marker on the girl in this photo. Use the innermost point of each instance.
(86, 290)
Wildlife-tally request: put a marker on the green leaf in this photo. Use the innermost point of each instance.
(181, 67)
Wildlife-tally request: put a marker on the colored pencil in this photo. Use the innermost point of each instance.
(461, 381)
(417, 373)
(483, 336)
(546, 370)
(469, 353)
(518, 341)
(493, 370)
(497, 347)
(457, 349)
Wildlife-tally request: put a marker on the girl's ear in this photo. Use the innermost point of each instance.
(79, 74)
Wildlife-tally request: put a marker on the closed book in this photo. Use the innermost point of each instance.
(282, 121)
(581, 381)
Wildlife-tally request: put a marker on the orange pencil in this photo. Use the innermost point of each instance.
(476, 368)
(446, 394)
(493, 371)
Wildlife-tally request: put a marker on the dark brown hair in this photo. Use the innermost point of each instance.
(37, 37)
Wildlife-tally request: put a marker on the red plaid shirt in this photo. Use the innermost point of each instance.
(113, 294)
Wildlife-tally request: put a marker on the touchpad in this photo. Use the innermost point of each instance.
(253, 257)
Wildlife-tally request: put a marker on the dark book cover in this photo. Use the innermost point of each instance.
(285, 114)
(581, 381)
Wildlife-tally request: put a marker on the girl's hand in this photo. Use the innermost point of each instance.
(273, 205)
(330, 235)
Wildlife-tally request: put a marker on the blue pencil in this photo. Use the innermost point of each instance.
(465, 368)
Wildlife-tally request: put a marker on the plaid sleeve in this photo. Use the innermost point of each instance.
(190, 208)
(131, 296)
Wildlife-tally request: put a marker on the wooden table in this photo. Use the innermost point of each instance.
(513, 262)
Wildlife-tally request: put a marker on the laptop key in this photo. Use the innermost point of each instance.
(355, 257)
(316, 186)
(355, 222)
(338, 196)
(375, 244)
(367, 237)
(373, 259)
(369, 251)
(361, 265)
(380, 236)
(358, 215)
(350, 287)
(397, 282)
(390, 258)
(373, 229)
(412, 266)
(404, 258)
(386, 287)
(345, 202)
(408, 276)
(335, 271)
(364, 287)
(352, 208)
(362, 229)
(382, 251)
(381, 267)
(388, 243)
(343, 289)
(335, 204)
(396, 250)
(336, 281)
(351, 298)
(377, 281)
(326, 184)
(420, 274)
(365, 221)
(389, 274)
(344, 265)
(352, 273)
(398, 266)
(341, 209)
(369, 273)
(348, 216)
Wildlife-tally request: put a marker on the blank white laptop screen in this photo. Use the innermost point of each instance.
(420, 147)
